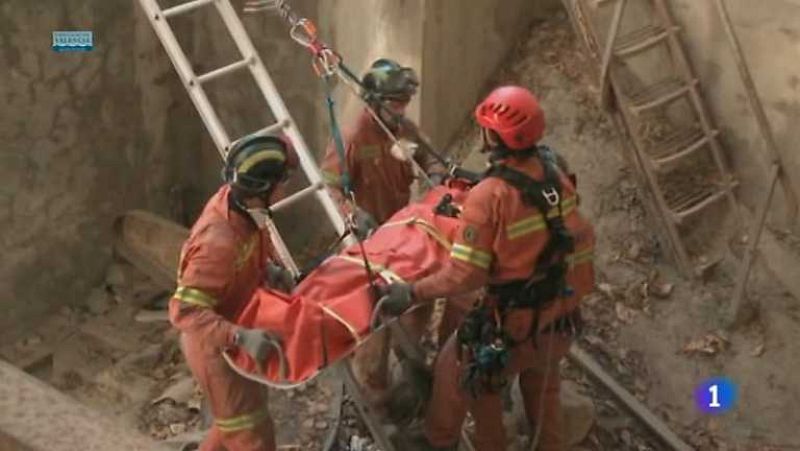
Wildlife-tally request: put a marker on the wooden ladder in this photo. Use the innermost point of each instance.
(676, 146)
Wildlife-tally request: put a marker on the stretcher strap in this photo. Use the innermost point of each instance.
(427, 227)
(348, 326)
(386, 274)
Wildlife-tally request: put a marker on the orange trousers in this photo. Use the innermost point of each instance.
(371, 360)
(539, 381)
(241, 419)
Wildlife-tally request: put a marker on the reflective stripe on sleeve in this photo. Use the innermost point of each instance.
(246, 421)
(471, 255)
(194, 296)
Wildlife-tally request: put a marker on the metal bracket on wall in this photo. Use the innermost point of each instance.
(777, 171)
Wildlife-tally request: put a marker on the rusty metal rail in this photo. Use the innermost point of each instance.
(655, 424)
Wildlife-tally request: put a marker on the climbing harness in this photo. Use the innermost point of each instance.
(482, 333)
(482, 338)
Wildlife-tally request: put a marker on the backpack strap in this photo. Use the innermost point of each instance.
(547, 280)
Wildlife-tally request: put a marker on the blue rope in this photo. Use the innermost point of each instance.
(337, 139)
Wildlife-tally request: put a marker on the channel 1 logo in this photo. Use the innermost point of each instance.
(73, 41)
(716, 395)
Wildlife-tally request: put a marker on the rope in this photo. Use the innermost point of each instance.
(326, 63)
(283, 370)
(337, 139)
(540, 408)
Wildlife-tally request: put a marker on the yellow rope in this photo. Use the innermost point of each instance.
(427, 227)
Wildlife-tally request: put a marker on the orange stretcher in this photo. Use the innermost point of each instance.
(328, 315)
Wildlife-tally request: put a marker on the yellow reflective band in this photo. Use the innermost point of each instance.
(195, 297)
(470, 255)
(246, 421)
(583, 256)
(567, 206)
(528, 225)
(253, 160)
(535, 222)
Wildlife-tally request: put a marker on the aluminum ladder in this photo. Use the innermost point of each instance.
(658, 159)
(248, 59)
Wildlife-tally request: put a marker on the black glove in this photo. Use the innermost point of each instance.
(279, 277)
(396, 298)
(364, 223)
(257, 343)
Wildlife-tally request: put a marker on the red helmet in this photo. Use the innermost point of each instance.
(514, 114)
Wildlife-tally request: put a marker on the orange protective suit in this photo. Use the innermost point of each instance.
(382, 186)
(222, 263)
(500, 240)
(381, 182)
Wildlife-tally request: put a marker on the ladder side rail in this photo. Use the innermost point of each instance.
(683, 64)
(608, 53)
(273, 98)
(622, 119)
(187, 75)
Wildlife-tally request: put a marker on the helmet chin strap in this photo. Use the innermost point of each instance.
(260, 215)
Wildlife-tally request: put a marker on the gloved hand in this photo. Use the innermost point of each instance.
(279, 277)
(257, 343)
(364, 223)
(396, 298)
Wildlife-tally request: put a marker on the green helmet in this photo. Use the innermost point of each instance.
(255, 164)
(387, 80)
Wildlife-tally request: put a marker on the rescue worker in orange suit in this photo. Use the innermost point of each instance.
(380, 181)
(522, 237)
(226, 257)
(381, 185)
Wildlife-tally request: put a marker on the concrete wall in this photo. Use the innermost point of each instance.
(90, 135)
(769, 32)
(85, 136)
(386, 29)
(463, 44)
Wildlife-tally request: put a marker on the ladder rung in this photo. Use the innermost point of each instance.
(700, 201)
(269, 130)
(683, 149)
(598, 3)
(702, 266)
(659, 94)
(216, 73)
(639, 40)
(185, 8)
(298, 196)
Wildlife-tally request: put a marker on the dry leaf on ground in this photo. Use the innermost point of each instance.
(710, 344)
(624, 314)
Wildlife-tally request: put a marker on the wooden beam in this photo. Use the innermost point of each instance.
(35, 416)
